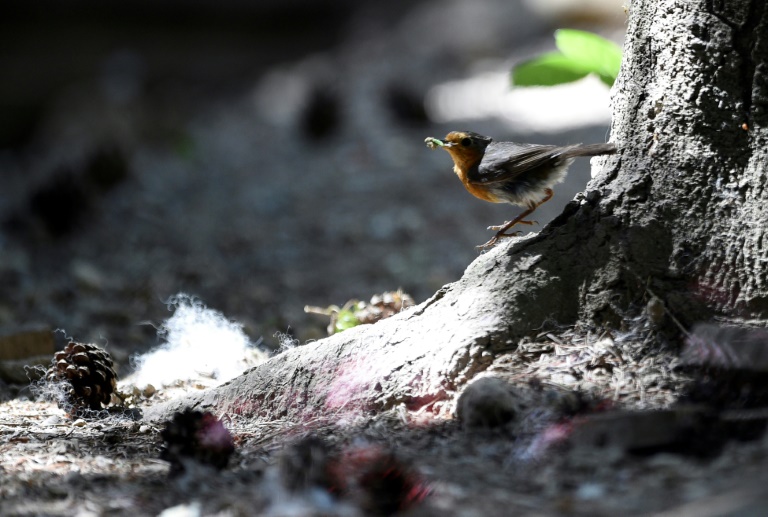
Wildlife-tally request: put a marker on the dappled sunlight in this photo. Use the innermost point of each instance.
(551, 109)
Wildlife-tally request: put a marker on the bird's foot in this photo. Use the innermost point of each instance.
(496, 238)
(509, 224)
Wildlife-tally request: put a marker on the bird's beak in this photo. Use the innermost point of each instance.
(434, 143)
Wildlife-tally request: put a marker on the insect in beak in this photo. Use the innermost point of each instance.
(434, 143)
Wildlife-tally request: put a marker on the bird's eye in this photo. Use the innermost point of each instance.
(466, 142)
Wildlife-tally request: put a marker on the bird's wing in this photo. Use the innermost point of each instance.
(506, 160)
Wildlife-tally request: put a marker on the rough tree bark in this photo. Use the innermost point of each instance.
(678, 212)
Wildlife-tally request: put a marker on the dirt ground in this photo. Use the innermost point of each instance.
(56, 465)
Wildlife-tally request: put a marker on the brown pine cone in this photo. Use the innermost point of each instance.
(89, 371)
(198, 436)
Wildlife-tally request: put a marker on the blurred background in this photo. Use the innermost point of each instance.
(261, 156)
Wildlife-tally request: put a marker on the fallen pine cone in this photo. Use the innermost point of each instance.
(198, 436)
(89, 371)
(377, 480)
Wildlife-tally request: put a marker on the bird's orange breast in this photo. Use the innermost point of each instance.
(479, 191)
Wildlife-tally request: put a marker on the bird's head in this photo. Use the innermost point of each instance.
(465, 147)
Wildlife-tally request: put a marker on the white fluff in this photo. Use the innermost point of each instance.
(198, 343)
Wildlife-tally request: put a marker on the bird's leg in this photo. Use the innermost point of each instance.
(509, 224)
(520, 219)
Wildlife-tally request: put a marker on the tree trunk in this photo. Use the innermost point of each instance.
(684, 198)
(677, 213)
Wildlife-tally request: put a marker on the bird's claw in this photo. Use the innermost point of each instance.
(496, 238)
(507, 224)
(488, 244)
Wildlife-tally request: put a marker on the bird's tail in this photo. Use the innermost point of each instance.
(590, 150)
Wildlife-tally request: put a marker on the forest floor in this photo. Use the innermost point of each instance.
(538, 464)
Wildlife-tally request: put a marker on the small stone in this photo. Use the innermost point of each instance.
(144, 429)
(52, 420)
(148, 391)
(79, 423)
(486, 403)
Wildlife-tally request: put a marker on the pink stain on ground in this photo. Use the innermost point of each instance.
(349, 389)
(354, 387)
(351, 382)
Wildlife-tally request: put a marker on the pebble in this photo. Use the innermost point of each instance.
(149, 390)
(79, 423)
(52, 420)
(486, 403)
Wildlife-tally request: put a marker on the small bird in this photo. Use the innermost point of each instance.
(509, 172)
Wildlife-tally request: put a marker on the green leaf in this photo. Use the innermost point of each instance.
(346, 319)
(548, 70)
(591, 52)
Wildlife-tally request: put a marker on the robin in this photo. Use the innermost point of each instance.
(508, 172)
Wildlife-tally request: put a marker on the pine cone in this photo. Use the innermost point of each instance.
(384, 305)
(89, 371)
(374, 477)
(198, 436)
